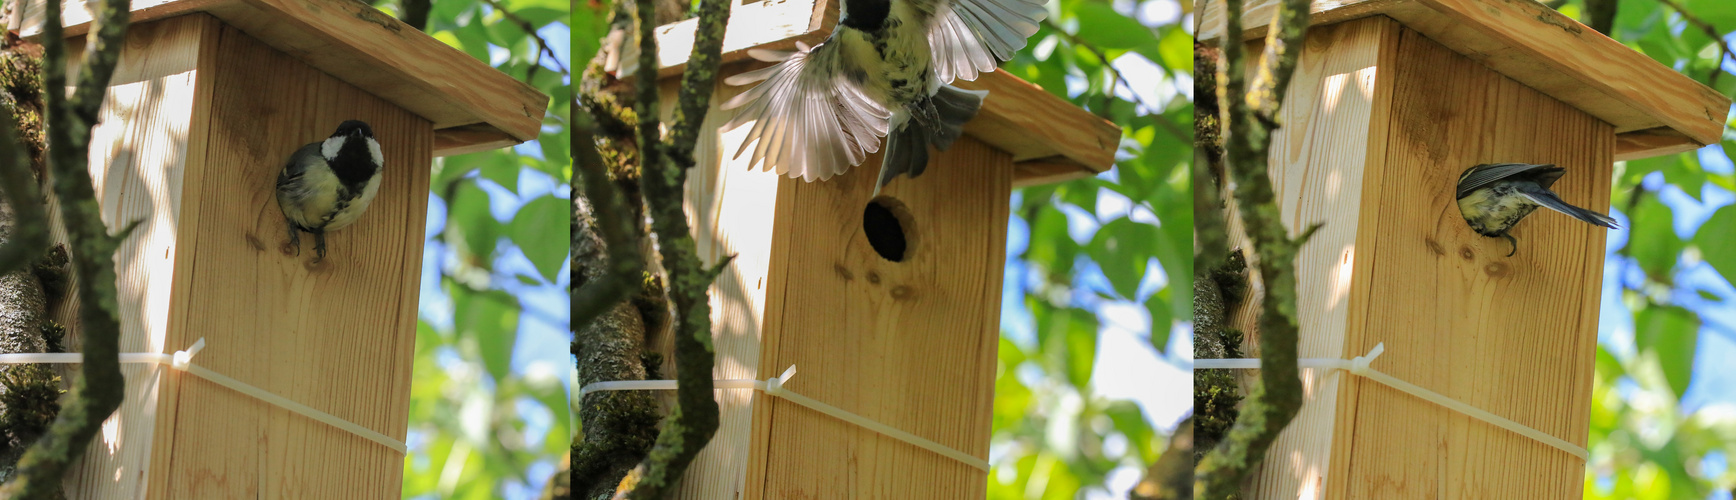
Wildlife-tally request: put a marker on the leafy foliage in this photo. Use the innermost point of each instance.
(1094, 249)
(1663, 418)
(487, 418)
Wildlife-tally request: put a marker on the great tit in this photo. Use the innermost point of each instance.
(884, 70)
(1495, 196)
(326, 185)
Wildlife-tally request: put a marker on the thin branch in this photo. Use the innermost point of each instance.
(1711, 31)
(100, 389)
(416, 13)
(1104, 58)
(615, 223)
(1251, 117)
(542, 46)
(693, 421)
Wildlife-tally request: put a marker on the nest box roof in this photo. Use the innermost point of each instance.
(473, 106)
(1655, 110)
(1050, 139)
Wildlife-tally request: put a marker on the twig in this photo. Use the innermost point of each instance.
(100, 389)
(542, 46)
(1251, 117)
(1711, 31)
(693, 421)
(615, 223)
(1101, 56)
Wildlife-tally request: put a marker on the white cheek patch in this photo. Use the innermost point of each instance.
(330, 148)
(374, 149)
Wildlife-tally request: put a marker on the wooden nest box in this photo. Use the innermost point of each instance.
(209, 99)
(889, 308)
(1391, 102)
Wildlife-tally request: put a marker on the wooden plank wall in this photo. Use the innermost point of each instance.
(733, 211)
(1380, 122)
(197, 128)
(1515, 336)
(910, 344)
(1319, 162)
(139, 155)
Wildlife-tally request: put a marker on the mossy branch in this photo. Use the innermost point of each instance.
(694, 419)
(1251, 116)
(101, 386)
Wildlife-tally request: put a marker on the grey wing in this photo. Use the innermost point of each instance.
(1482, 175)
(810, 119)
(289, 179)
(973, 36)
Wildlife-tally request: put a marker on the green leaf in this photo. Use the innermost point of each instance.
(489, 318)
(1717, 241)
(471, 228)
(1175, 50)
(1653, 240)
(1122, 248)
(1103, 27)
(502, 169)
(1161, 321)
(1672, 334)
(540, 229)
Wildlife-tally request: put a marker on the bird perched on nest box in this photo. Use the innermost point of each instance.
(327, 185)
(884, 71)
(1495, 196)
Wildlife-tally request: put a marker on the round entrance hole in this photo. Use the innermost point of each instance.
(890, 230)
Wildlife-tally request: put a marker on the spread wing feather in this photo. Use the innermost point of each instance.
(970, 37)
(810, 120)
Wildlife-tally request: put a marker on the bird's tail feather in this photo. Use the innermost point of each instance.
(907, 146)
(1549, 200)
(906, 152)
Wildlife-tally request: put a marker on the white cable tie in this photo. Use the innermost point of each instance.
(775, 387)
(185, 358)
(1359, 366)
(183, 361)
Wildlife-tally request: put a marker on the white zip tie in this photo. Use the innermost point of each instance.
(183, 361)
(775, 387)
(1359, 366)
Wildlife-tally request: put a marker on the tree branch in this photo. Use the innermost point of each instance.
(1711, 31)
(1600, 14)
(416, 13)
(693, 421)
(542, 46)
(1252, 115)
(100, 389)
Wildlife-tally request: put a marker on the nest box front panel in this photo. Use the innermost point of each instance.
(889, 308)
(337, 335)
(1513, 335)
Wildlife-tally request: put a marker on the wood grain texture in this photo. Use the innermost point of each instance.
(337, 336)
(1379, 122)
(1542, 49)
(138, 159)
(868, 334)
(371, 50)
(1515, 336)
(1318, 163)
(911, 344)
(1018, 116)
(732, 210)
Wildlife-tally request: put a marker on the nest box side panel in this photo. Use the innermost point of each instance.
(337, 336)
(1515, 336)
(1319, 162)
(910, 344)
(732, 211)
(138, 156)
